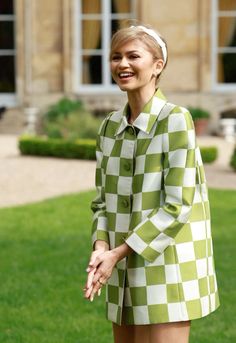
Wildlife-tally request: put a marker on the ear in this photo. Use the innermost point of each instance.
(158, 67)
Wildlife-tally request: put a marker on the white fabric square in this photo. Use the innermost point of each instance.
(137, 202)
(112, 239)
(141, 315)
(184, 214)
(191, 290)
(177, 158)
(155, 147)
(124, 185)
(198, 156)
(156, 294)
(197, 195)
(122, 222)
(111, 202)
(136, 277)
(213, 301)
(173, 194)
(177, 312)
(102, 223)
(185, 252)
(208, 226)
(136, 243)
(159, 261)
(116, 116)
(177, 122)
(114, 278)
(172, 273)
(99, 155)
(162, 219)
(165, 137)
(210, 265)
(201, 265)
(140, 164)
(152, 182)
(161, 242)
(127, 300)
(191, 139)
(157, 105)
(113, 166)
(142, 121)
(107, 146)
(198, 230)
(189, 177)
(112, 311)
(205, 305)
(127, 150)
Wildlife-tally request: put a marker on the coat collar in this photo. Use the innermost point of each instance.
(147, 117)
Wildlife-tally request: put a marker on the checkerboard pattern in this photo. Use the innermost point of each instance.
(152, 195)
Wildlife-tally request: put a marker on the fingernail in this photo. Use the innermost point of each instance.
(99, 292)
(91, 299)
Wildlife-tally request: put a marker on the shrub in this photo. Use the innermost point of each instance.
(62, 108)
(198, 113)
(233, 160)
(41, 146)
(209, 154)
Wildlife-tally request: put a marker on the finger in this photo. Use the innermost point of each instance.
(94, 291)
(90, 278)
(88, 292)
(94, 256)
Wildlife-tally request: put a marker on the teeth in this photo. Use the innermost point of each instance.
(125, 74)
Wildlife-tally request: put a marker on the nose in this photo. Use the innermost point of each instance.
(123, 62)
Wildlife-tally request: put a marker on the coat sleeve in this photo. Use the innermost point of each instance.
(98, 206)
(157, 231)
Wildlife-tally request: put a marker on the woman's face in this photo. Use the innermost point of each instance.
(133, 66)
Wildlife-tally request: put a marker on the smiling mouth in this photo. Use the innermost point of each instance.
(125, 75)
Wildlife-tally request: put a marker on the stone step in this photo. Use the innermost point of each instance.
(12, 121)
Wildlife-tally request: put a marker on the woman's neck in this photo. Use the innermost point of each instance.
(137, 100)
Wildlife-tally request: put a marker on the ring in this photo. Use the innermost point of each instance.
(101, 283)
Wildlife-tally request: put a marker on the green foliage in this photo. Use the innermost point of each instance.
(199, 113)
(69, 119)
(209, 154)
(233, 159)
(44, 251)
(42, 146)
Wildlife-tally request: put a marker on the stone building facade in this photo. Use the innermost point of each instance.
(60, 48)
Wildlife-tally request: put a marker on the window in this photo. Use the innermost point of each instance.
(224, 44)
(95, 21)
(7, 47)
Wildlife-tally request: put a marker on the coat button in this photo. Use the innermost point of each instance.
(125, 203)
(127, 166)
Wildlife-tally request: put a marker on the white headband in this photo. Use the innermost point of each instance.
(157, 38)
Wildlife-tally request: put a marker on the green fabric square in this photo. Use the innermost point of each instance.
(137, 183)
(203, 287)
(194, 308)
(116, 151)
(138, 296)
(120, 238)
(150, 254)
(113, 294)
(212, 283)
(153, 163)
(110, 129)
(178, 140)
(170, 255)
(207, 209)
(147, 232)
(197, 213)
(158, 313)
(136, 218)
(128, 315)
(184, 235)
(209, 247)
(150, 200)
(104, 162)
(200, 249)
(98, 176)
(155, 275)
(188, 271)
(151, 121)
(111, 184)
(174, 292)
(126, 167)
(124, 204)
(135, 261)
(190, 160)
(142, 145)
(161, 126)
(188, 195)
(121, 276)
(175, 177)
(111, 220)
(189, 121)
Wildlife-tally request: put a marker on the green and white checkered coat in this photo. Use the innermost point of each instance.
(152, 195)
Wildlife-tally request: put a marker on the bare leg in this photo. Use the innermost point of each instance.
(170, 332)
(131, 333)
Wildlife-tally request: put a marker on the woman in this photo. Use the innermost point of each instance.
(151, 230)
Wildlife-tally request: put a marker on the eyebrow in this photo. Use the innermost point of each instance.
(128, 52)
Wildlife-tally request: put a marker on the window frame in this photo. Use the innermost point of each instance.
(106, 16)
(8, 98)
(216, 15)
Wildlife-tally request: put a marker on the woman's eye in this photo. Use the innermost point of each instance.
(134, 57)
(115, 58)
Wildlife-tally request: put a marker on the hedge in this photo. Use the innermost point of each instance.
(40, 146)
(81, 148)
(233, 160)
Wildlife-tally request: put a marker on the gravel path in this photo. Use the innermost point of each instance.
(30, 179)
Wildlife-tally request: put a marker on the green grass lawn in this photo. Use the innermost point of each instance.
(44, 249)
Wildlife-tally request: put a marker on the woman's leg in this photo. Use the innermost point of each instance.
(131, 333)
(170, 332)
